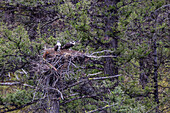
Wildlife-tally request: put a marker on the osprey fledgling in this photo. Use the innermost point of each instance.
(68, 45)
(51, 52)
(57, 46)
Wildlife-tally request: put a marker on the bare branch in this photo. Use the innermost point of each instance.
(99, 109)
(61, 95)
(103, 78)
(164, 6)
(28, 85)
(50, 65)
(109, 51)
(15, 83)
(87, 79)
(105, 56)
(25, 72)
(94, 74)
(10, 83)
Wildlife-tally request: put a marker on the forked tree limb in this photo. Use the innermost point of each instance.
(87, 79)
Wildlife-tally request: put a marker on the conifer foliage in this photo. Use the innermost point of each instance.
(119, 63)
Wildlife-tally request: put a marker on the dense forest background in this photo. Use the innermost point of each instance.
(123, 66)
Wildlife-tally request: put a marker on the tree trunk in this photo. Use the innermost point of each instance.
(155, 78)
(110, 67)
(53, 102)
(143, 76)
(54, 105)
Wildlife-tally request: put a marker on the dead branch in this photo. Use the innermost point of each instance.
(104, 56)
(103, 78)
(10, 83)
(87, 79)
(108, 51)
(99, 109)
(94, 74)
(61, 95)
(15, 83)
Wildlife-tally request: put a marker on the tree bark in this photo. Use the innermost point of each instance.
(54, 105)
(110, 67)
(155, 76)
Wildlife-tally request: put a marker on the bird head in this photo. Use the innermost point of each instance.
(73, 42)
(58, 43)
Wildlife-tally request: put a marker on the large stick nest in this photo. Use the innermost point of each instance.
(59, 68)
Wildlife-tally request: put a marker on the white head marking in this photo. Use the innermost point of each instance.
(59, 45)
